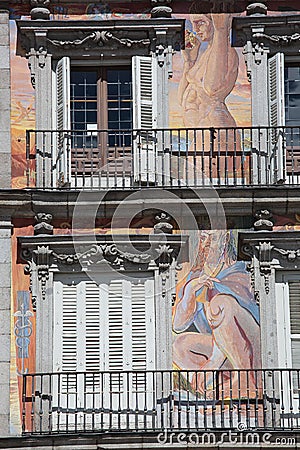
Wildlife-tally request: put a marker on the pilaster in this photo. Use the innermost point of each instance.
(5, 329)
(5, 100)
(40, 64)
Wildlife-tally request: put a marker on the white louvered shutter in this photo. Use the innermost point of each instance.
(108, 327)
(276, 117)
(294, 301)
(144, 80)
(63, 122)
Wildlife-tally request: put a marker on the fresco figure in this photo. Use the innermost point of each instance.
(210, 72)
(210, 75)
(215, 316)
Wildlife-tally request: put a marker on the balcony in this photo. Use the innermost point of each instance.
(155, 401)
(167, 158)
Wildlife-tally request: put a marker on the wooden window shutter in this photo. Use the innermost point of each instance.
(63, 121)
(108, 327)
(144, 80)
(294, 301)
(276, 117)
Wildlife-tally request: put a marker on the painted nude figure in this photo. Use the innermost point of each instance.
(215, 316)
(209, 74)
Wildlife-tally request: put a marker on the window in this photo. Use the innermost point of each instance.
(116, 100)
(284, 110)
(102, 99)
(292, 95)
(294, 312)
(100, 331)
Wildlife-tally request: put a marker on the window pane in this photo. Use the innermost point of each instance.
(91, 116)
(91, 90)
(112, 89)
(113, 115)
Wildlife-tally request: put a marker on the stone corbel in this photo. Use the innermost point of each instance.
(253, 54)
(42, 256)
(264, 257)
(41, 48)
(31, 56)
(37, 267)
(261, 255)
(164, 51)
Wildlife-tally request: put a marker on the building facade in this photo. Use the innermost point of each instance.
(149, 252)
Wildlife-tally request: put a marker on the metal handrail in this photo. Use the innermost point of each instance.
(200, 400)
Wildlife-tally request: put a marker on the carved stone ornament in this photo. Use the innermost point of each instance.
(263, 222)
(43, 225)
(256, 9)
(99, 38)
(58, 253)
(290, 255)
(38, 268)
(161, 11)
(278, 39)
(278, 250)
(163, 224)
(40, 9)
(265, 266)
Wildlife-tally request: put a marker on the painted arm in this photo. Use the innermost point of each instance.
(222, 64)
(186, 307)
(190, 56)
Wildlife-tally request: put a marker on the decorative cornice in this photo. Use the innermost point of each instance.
(137, 252)
(290, 255)
(278, 39)
(99, 38)
(72, 37)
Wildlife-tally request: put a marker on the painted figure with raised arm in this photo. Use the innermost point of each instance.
(210, 75)
(210, 72)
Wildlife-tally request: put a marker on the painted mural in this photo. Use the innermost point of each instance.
(215, 317)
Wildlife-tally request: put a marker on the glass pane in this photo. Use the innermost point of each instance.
(125, 89)
(112, 89)
(91, 105)
(91, 90)
(79, 116)
(294, 100)
(293, 86)
(113, 115)
(125, 115)
(112, 75)
(91, 116)
(78, 91)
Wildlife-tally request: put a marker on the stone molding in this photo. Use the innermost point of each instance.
(272, 249)
(73, 38)
(274, 33)
(44, 254)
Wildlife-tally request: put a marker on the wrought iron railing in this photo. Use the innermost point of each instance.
(113, 159)
(161, 400)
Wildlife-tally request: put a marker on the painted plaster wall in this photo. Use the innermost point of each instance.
(214, 282)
